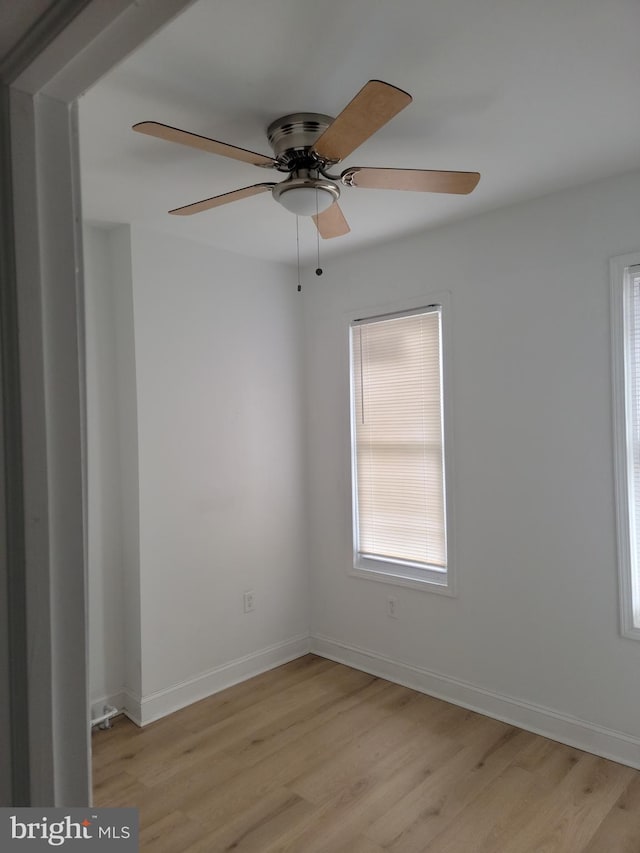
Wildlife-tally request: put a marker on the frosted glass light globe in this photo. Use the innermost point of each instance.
(306, 201)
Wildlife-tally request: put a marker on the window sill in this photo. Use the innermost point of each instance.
(427, 580)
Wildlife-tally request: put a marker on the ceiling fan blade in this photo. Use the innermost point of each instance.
(217, 200)
(416, 180)
(174, 134)
(374, 105)
(331, 222)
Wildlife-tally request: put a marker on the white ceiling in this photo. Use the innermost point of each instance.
(536, 95)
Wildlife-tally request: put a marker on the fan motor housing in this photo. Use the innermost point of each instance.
(292, 136)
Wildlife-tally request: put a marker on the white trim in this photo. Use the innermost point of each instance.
(425, 579)
(131, 707)
(46, 213)
(166, 701)
(607, 743)
(619, 267)
(49, 291)
(95, 40)
(442, 583)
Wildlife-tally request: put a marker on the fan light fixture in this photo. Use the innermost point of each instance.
(306, 146)
(306, 201)
(306, 195)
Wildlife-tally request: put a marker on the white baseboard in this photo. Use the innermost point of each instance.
(166, 701)
(534, 718)
(131, 707)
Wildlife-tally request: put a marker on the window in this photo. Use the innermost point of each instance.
(625, 282)
(398, 448)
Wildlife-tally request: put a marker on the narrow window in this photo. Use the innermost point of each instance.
(399, 502)
(625, 280)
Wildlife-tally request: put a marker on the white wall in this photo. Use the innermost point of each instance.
(112, 468)
(221, 462)
(128, 461)
(536, 618)
(196, 468)
(104, 527)
(222, 361)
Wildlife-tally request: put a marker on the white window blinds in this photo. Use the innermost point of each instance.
(398, 439)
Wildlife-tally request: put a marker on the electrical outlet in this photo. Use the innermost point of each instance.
(392, 607)
(249, 601)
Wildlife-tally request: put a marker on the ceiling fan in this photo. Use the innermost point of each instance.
(306, 145)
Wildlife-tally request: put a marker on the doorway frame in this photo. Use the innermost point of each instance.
(44, 704)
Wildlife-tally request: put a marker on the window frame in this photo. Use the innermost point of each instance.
(628, 538)
(398, 573)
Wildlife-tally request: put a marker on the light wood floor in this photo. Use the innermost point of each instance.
(314, 757)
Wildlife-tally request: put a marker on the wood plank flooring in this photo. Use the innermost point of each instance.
(315, 757)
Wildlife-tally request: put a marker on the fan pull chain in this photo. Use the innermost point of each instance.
(298, 249)
(318, 268)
